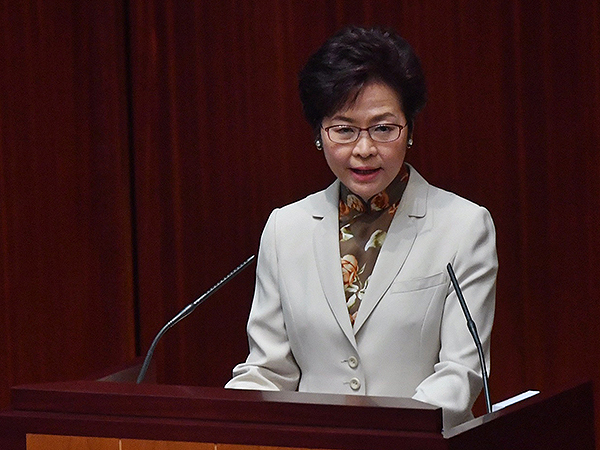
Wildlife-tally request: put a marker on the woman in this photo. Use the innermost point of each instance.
(352, 294)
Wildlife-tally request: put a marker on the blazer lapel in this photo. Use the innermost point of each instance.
(327, 255)
(397, 246)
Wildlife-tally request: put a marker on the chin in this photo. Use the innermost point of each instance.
(366, 195)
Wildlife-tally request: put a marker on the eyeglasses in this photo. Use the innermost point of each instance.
(347, 134)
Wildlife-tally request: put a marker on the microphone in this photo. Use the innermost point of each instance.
(186, 312)
(473, 329)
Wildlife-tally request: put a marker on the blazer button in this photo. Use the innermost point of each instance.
(355, 384)
(353, 362)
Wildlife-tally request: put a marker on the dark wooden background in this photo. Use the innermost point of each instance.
(143, 144)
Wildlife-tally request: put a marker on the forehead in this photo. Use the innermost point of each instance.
(373, 99)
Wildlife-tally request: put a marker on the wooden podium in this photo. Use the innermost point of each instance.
(124, 416)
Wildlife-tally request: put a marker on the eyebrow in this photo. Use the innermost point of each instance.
(376, 118)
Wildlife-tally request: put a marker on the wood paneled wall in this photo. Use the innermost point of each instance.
(143, 144)
(65, 215)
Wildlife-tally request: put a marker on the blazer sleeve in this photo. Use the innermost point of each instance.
(270, 364)
(457, 381)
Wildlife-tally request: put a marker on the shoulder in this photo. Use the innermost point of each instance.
(457, 228)
(440, 197)
(290, 227)
(443, 206)
(316, 205)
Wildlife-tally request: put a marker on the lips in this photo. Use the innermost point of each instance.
(364, 171)
(365, 175)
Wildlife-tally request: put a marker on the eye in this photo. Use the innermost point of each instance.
(383, 128)
(343, 130)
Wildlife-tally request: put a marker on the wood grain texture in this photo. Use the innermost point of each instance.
(55, 442)
(140, 444)
(218, 141)
(65, 221)
(288, 419)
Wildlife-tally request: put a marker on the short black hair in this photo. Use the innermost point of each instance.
(353, 57)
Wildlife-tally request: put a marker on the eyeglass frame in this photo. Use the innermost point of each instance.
(360, 130)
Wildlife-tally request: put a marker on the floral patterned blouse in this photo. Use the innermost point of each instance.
(363, 228)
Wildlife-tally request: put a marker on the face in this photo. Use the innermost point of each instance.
(367, 167)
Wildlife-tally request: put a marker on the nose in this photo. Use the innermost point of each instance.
(364, 145)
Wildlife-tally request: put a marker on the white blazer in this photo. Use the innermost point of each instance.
(410, 337)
